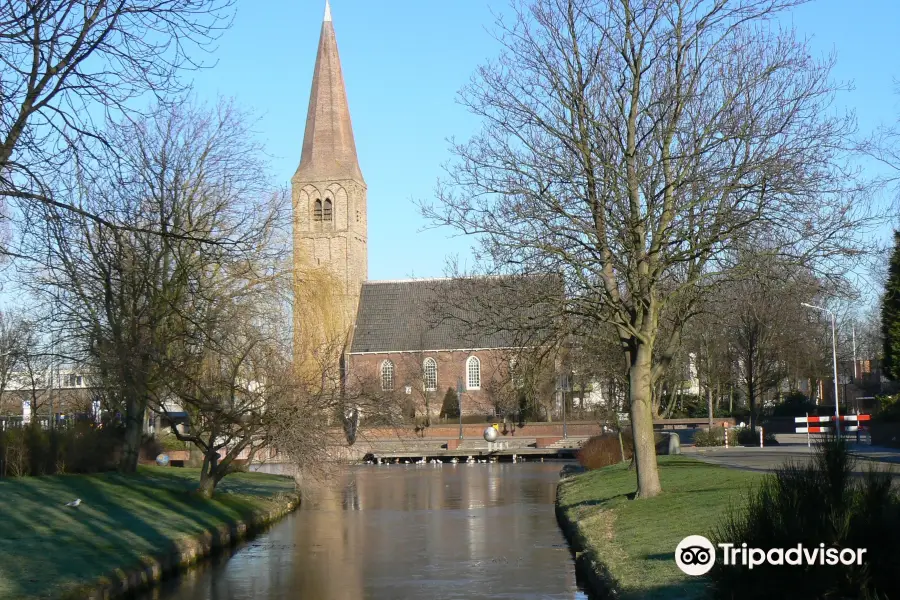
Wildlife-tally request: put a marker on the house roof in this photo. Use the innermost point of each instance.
(444, 314)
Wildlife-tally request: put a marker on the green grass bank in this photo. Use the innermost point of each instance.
(128, 530)
(628, 547)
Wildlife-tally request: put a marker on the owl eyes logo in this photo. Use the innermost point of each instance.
(695, 555)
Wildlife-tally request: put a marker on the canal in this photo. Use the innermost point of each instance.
(404, 531)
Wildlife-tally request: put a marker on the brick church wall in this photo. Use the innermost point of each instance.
(365, 370)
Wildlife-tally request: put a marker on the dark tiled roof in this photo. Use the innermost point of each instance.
(442, 314)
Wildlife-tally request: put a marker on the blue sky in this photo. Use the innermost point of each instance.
(404, 61)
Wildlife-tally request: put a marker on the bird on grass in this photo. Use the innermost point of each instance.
(74, 503)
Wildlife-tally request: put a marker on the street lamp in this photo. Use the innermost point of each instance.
(459, 393)
(837, 415)
(563, 386)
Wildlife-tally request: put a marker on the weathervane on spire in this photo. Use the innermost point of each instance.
(327, 11)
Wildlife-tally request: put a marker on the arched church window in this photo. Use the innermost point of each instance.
(387, 376)
(328, 210)
(473, 373)
(429, 368)
(317, 210)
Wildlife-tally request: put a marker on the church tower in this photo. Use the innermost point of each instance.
(329, 203)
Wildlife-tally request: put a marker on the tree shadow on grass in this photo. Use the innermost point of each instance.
(597, 501)
(697, 588)
(689, 463)
(250, 488)
(709, 490)
(54, 544)
(662, 556)
(249, 484)
(596, 587)
(121, 520)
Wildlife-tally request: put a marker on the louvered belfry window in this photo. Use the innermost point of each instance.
(317, 210)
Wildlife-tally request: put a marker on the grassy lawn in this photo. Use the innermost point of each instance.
(636, 540)
(46, 547)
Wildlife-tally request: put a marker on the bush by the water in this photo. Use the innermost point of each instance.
(750, 437)
(889, 409)
(153, 446)
(80, 448)
(604, 450)
(811, 505)
(169, 443)
(795, 404)
(738, 413)
(714, 436)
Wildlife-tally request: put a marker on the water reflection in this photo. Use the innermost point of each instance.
(379, 532)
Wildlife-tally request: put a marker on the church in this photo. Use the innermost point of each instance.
(387, 335)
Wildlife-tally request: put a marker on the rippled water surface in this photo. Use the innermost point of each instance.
(404, 531)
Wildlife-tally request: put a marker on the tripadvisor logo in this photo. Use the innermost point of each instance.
(695, 555)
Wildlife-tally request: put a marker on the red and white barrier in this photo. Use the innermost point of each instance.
(825, 429)
(855, 418)
(825, 424)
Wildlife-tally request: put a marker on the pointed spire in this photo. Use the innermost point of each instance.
(329, 150)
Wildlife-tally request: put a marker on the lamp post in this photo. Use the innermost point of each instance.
(837, 414)
(459, 393)
(563, 386)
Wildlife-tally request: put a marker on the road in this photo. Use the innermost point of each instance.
(772, 457)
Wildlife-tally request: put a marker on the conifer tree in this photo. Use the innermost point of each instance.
(450, 406)
(890, 314)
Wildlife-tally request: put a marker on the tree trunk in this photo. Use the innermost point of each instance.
(709, 404)
(670, 405)
(209, 474)
(207, 485)
(639, 375)
(751, 401)
(134, 431)
(216, 467)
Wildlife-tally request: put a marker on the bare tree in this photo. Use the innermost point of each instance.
(34, 378)
(595, 360)
(765, 319)
(232, 377)
(867, 327)
(124, 295)
(302, 433)
(68, 65)
(15, 338)
(627, 143)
